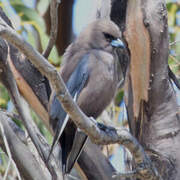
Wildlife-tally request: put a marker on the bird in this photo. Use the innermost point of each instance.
(90, 72)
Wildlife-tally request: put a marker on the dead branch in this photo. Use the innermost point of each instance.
(41, 145)
(25, 161)
(54, 26)
(10, 161)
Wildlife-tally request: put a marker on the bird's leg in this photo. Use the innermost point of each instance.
(105, 128)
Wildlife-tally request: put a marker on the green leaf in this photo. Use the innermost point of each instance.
(28, 14)
(16, 2)
(119, 97)
(42, 6)
(4, 97)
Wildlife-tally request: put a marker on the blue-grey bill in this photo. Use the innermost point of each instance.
(117, 43)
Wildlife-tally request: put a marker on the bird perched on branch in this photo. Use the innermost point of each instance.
(90, 71)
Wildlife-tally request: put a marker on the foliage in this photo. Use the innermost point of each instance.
(4, 98)
(30, 24)
(174, 32)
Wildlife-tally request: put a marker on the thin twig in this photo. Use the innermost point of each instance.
(12, 115)
(54, 26)
(174, 43)
(8, 152)
(19, 132)
(174, 59)
(25, 160)
(40, 144)
(9, 155)
(129, 174)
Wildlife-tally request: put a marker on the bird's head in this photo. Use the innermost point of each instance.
(101, 34)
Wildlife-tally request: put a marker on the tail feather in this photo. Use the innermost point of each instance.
(58, 134)
(79, 141)
(60, 125)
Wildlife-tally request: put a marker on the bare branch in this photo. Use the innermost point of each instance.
(126, 175)
(9, 155)
(99, 134)
(24, 159)
(38, 140)
(43, 146)
(174, 59)
(174, 43)
(19, 132)
(54, 26)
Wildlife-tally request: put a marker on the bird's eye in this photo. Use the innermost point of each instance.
(109, 37)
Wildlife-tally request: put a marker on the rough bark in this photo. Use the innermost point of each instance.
(154, 118)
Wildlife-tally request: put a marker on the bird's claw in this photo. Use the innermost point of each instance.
(105, 128)
(102, 126)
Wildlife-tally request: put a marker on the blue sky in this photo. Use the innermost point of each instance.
(82, 12)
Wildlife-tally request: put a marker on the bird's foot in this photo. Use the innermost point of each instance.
(105, 128)
(102, 126)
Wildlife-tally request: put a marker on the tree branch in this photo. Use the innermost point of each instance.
(9, 154)
(41, 145)
(25, 161)
(98, 133)
(54, 26)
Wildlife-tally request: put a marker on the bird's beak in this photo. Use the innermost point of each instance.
(117, 43)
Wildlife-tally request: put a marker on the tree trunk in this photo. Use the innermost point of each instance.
(150, 97)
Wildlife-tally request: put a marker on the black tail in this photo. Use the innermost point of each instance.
(78, 143)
